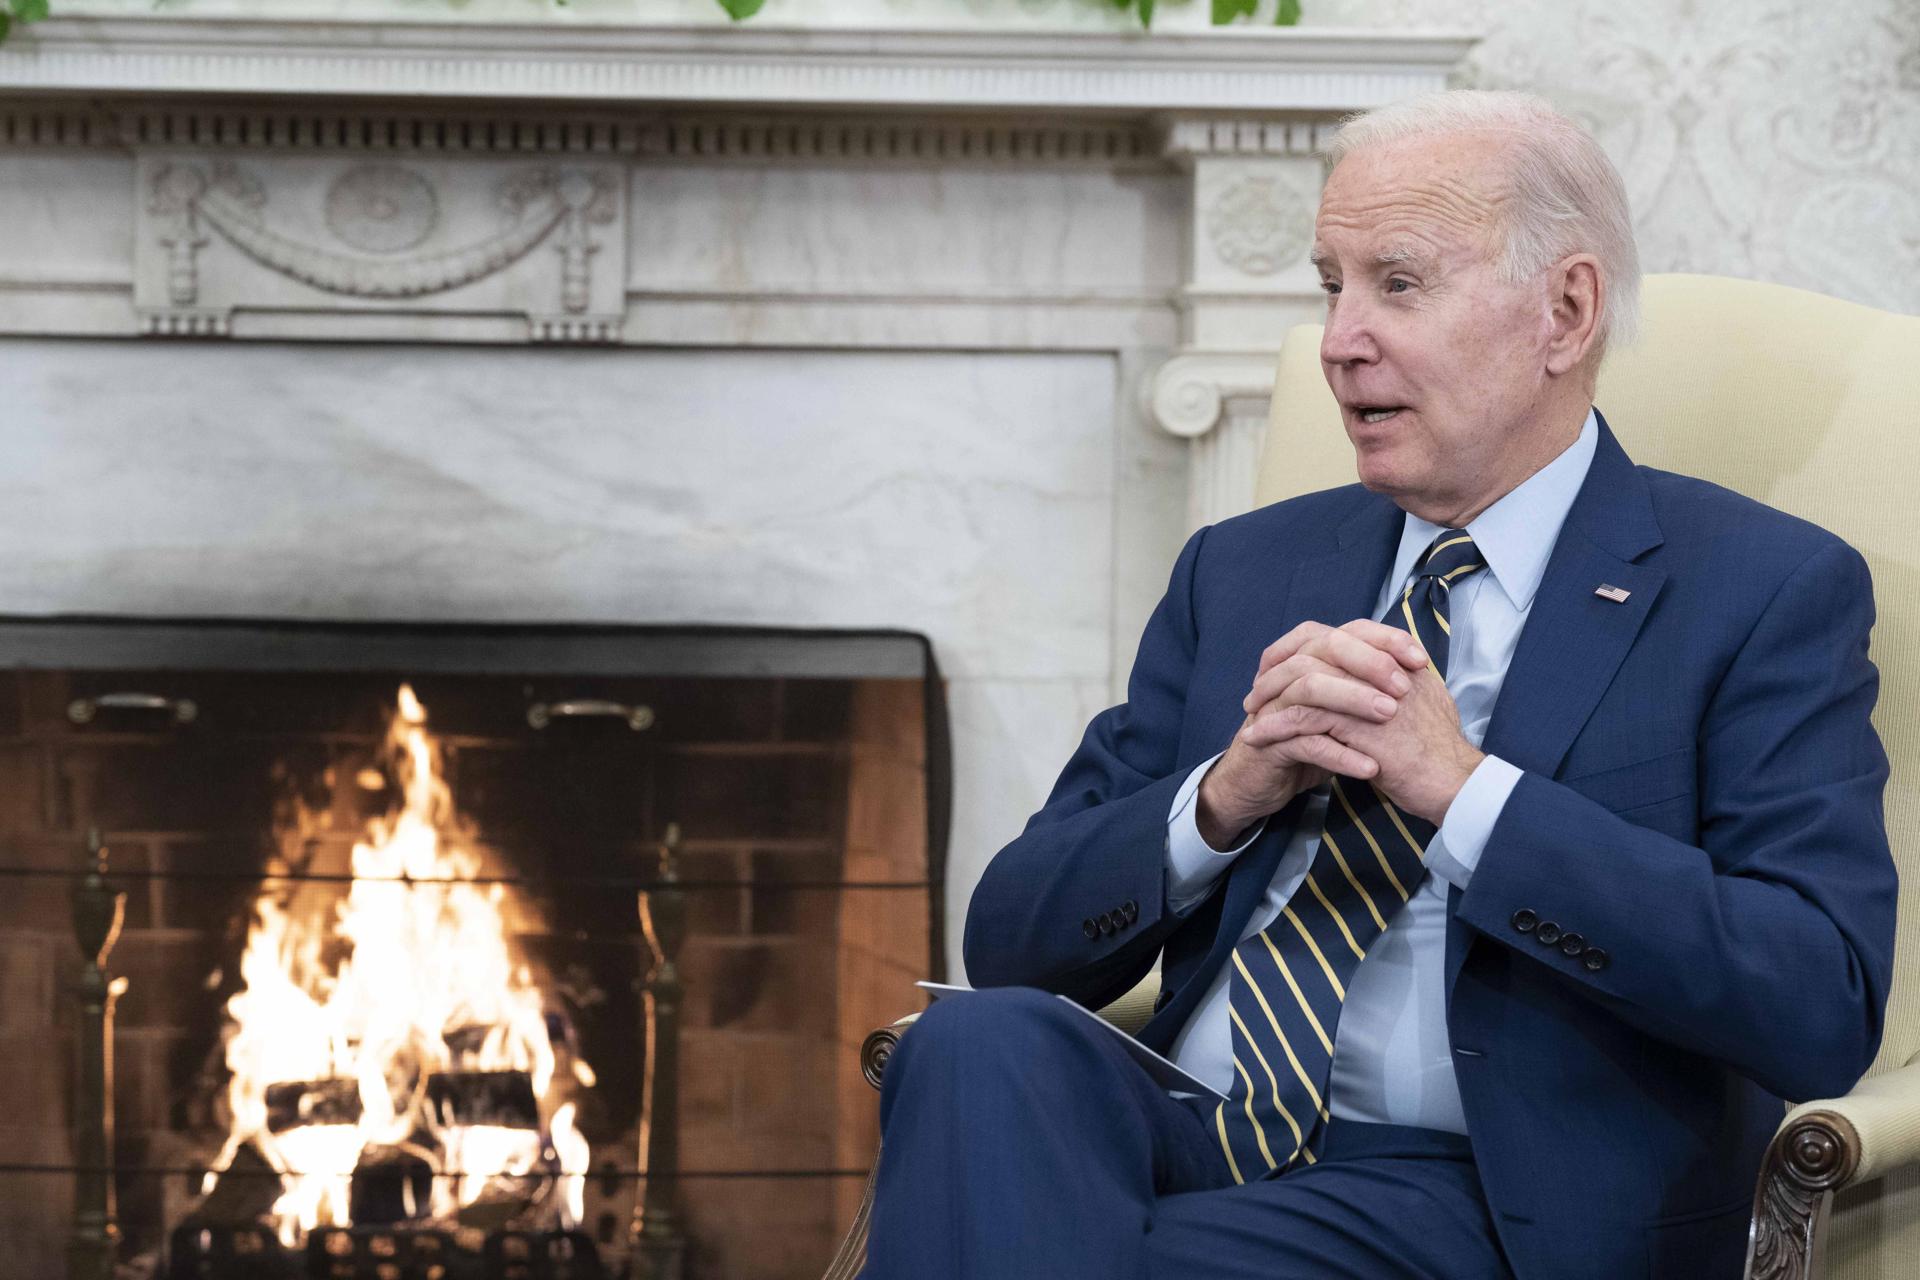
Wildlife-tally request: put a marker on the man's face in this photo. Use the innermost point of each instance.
(1439, 367)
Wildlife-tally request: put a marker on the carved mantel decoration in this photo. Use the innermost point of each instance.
(216, 234)
(370, 185)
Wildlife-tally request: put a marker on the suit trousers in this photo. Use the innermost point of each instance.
(1019, 1140)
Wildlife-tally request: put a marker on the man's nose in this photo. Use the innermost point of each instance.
(1348, 337)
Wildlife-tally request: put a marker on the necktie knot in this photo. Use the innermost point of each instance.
(1451, 557)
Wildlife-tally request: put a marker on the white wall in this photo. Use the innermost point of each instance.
(1775, 141)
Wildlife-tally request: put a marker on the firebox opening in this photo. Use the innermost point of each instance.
(396, 905)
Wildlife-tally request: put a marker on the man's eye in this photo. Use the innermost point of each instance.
(1397, 285)
(1330, 287)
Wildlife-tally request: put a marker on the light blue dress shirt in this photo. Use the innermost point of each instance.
(1392, 1062)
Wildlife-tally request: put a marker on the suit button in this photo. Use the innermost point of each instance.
(1089, 928)
(1595, 959)
(1547, 934)
(1106, 923)
(1132, 909)
(1524, 920)
(1572, 944)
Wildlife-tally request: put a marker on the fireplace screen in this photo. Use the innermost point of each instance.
(542, 953)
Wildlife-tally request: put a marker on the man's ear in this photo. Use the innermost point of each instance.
(1576, 292)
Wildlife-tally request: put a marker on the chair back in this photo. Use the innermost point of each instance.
(1808, 404)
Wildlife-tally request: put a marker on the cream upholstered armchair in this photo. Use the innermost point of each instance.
(1811, 405)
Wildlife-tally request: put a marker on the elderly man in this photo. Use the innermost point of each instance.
(1507, 825)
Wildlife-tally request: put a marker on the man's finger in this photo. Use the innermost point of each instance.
(1272, 682)
(1282, 723)
(1393, 640)
(1363, 660)
(1289, 644)
(1333, 691)
(1301, 734)
(1334, 757)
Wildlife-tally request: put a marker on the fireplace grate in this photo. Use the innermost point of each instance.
(374, 1253)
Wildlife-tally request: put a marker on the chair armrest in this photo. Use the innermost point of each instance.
(877, 1048)
(1822, 1147)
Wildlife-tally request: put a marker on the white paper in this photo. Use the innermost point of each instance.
(1162, 1070)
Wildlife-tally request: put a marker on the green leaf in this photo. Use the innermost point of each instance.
(29, 10)
(1289, 14)
(1146, 13)
(6, 24)
(741, 10)
(1225, 11)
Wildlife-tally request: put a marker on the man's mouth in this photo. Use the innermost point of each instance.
(1372, 413)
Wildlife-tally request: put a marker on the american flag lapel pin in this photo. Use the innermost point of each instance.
(1607, 591)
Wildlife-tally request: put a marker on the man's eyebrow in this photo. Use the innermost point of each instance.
(1398, 257)
(1395, 257)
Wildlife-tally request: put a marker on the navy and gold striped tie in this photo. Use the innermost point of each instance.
(1290, 979)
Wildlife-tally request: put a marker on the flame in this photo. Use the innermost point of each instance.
(421, 962)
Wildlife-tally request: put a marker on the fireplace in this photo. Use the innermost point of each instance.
(458, 950)
(955, 320)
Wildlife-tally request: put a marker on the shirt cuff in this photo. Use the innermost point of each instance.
(1455, 849)
(1193, 865)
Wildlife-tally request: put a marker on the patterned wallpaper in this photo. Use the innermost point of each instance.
(1772, 140)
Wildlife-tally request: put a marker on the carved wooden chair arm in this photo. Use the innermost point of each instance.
(878, 1047)
(1823, 1147)
(875, 1050)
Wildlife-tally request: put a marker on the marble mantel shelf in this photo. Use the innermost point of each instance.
(1239, 69)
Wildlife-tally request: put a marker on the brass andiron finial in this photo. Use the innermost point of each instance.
(663, 916)
(99, 905)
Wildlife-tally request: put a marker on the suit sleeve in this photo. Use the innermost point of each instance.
(1770, 946)
(1098, 847)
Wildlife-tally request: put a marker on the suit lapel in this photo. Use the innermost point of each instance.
(1343, 582)
(1574, 640)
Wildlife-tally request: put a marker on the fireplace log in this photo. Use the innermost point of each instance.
(99, 906)
(243, 1194)
(294, 1103)
(501, 1098)
(390, 1184)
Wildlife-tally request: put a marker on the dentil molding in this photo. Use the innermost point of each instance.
(655, 134)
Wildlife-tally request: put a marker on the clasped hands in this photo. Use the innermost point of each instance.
(1359, 700)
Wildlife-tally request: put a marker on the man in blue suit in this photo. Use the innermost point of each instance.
(1507, 825)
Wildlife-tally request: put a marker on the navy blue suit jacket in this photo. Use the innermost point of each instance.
(1701, 802)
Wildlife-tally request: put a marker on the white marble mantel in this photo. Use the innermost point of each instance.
(348, 308)
(1239, 110)
(1245, 69)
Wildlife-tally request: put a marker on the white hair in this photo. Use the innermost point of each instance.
(1566, 195)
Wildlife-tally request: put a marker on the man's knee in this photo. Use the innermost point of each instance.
(994, 1018)
(977, 1037)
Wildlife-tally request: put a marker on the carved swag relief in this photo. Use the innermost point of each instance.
(378, 217)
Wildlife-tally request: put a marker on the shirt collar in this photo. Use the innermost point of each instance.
(1517, 533)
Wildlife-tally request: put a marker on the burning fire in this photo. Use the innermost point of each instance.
(421, 1038)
